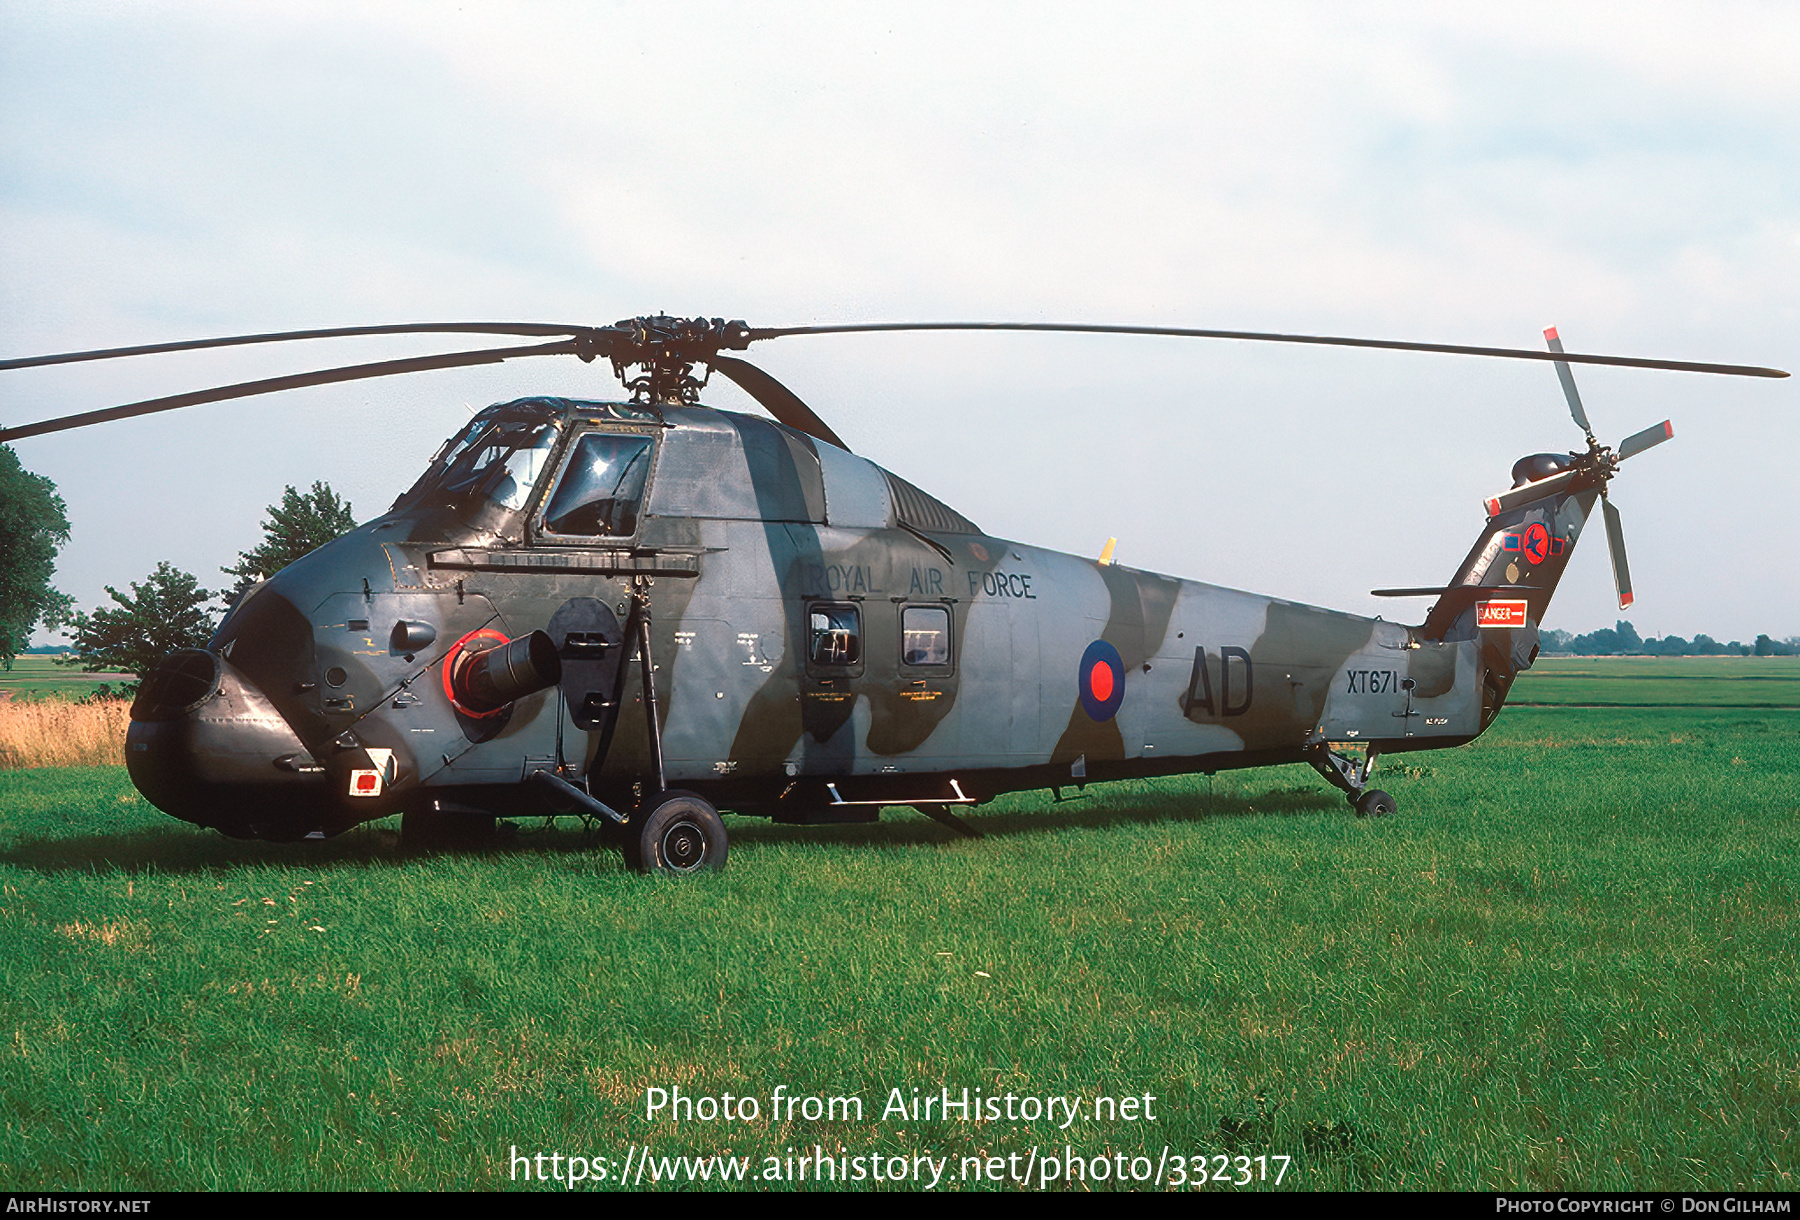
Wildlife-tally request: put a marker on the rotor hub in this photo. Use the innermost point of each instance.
(665, 350)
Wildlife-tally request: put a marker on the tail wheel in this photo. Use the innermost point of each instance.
(680, 833)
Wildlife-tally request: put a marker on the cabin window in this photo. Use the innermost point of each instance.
(925, 636)
(602, 486)
(836, 635)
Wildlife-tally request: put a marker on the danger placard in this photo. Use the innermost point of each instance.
(1500, 614)
(366, 781)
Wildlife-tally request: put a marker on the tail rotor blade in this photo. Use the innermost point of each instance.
(1506, 500)
(1637, 442)
(1568, 384)
(1615, 539)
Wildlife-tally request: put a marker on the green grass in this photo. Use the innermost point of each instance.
(38, 676)
(1569, 962)
(1661, 682)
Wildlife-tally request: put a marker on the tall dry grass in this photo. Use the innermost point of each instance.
(58, 733)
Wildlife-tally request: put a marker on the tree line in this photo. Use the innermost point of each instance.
(33, 527)
(167, 610)
(1622, 639)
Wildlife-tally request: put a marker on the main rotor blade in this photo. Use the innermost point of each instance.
(1637, 442)
(1511, 353)
(336, 332)
(1615, 540)
(246, 389)
(777, 399)
(1568, 384)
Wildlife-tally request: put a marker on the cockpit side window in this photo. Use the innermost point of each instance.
(602, 486)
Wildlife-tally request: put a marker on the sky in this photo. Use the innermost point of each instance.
(1627, 173)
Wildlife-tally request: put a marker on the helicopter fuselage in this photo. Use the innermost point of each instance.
(824, 639)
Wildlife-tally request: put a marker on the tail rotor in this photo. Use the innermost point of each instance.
(1601, 463)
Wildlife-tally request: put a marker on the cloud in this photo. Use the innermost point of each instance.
(1396, 171)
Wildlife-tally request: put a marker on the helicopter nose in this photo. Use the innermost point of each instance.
(207, 746)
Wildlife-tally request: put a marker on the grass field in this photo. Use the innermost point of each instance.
(62, 733)
(37, 676)
(1661, 682)
(1569, 962)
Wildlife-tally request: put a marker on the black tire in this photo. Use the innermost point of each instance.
(678, 834)
(1375, 804)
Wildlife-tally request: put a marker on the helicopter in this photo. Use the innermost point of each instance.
(644, 611)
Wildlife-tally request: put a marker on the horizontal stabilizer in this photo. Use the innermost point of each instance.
(1440, 590)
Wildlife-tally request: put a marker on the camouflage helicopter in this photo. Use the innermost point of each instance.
(644, 611)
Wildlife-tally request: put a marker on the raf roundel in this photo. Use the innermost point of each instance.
(1537, 543)
(1102, 680)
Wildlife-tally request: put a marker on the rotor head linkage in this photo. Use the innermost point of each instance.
(667, 349)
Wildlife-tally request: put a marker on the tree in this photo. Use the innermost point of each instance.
(299, 524)
(166, 612)
(33, 526)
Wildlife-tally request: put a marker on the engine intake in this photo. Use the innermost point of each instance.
(484, 682)
(181, 682)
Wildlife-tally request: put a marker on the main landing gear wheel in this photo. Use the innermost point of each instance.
(1375, 804)
(679, 833)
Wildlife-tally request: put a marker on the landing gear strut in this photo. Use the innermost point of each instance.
(672, 831)
(1351, 776)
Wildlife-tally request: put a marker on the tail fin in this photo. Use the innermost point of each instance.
(1502, 590)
